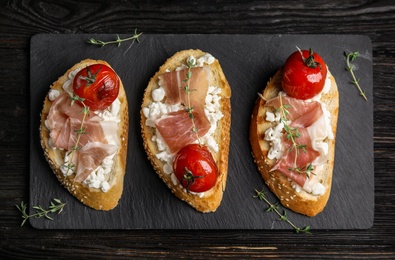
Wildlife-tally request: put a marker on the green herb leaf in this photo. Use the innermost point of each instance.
(55, 206)
(186, 88)
(273, 207)
(350, 67)
(118, 40)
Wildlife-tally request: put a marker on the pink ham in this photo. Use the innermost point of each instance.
(303, 159)
(176, 127)
(303, 116)
(90, 157)
(58, 114)
(301, 113)
(174, 82)
(181, 132)
(64, 119)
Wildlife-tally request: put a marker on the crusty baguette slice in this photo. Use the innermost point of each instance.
(91, 197)
(212, 198)
(301, 202)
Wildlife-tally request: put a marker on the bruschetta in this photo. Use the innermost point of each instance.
(185, 124)
(84, 133)
(293, 133)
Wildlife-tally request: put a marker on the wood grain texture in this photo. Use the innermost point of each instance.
(19, 20)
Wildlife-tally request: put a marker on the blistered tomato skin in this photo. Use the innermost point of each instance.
(300, 80)
(195, 168)
(98, 85)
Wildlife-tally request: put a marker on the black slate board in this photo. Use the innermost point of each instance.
(248, 62)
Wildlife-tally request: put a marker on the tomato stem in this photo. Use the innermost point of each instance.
(190, 178)
(91, 78)
(309, 61)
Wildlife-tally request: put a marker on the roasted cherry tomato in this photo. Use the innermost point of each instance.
(195, 168)
(98, 85)
(304, 74)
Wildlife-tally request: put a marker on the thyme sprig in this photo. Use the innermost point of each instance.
(283, 217)
(350, 67)
(189, 109)
(304, 170)
(70, 166)
(118, 41)
(292, 134)
(55, 206)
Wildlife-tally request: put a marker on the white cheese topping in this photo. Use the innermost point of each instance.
(158, 94)
(320, 132)
(158, 108)
(98, 179)
(68, 84)
(273, 135)
(53, 94)
(111, 113)
(312, 184)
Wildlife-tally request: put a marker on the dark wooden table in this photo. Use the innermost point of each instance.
(20, 20)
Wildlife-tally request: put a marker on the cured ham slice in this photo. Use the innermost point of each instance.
(308, 118)
(176, 128)
(98, 141)
(303, 158)
(64, 118)
(58, 119)
(174, 82)
(301, 113)
(58, 114)
(90, 157)
(67, 136)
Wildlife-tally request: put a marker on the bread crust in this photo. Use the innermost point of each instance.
(301, 202)
(91, 197)
(212, 198)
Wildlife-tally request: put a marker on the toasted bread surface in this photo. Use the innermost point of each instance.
(212, 198)
(94, 198)
(301, 202)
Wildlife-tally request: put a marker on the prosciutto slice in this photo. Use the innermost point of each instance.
(176, 127)
(301, 113)
(308, 118)
(174, 82)
(64, 119)
(302, 160)
(177, 130)
(90, 157)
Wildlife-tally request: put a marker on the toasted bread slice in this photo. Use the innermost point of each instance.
(301, 202)
(92, 197)
(211, 199)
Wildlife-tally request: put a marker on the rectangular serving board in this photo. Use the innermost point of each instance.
(248, 62)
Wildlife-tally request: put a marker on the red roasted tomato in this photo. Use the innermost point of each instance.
(98, 85)
(195, 168)
(304, 74)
